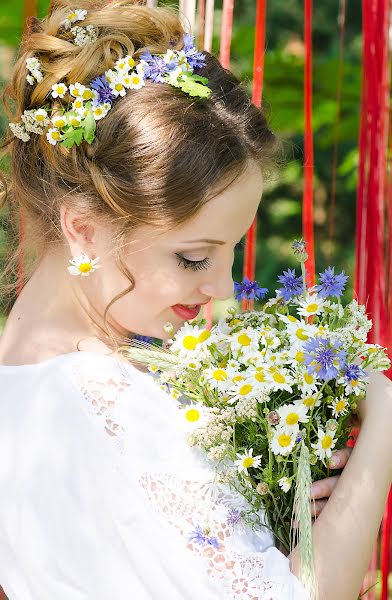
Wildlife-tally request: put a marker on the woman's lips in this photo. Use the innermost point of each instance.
(185, 312)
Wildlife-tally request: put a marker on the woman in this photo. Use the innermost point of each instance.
(100, 495)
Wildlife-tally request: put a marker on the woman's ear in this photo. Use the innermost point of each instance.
(79, 231)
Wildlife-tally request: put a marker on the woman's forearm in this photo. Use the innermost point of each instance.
(345, 532)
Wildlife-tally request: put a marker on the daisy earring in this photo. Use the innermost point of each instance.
(83, 265)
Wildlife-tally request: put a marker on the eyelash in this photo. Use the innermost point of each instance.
(195, 265)
(198, 265)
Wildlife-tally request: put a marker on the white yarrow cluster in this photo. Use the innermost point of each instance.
(84, 35)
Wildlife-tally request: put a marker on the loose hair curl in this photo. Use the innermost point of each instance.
(158, 155)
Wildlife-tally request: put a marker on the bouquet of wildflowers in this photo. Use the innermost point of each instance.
(268, 394)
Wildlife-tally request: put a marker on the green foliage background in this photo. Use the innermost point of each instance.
(280, 210)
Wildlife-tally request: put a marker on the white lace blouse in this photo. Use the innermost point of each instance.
(101, 498)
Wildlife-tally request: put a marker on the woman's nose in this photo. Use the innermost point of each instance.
(221, 288)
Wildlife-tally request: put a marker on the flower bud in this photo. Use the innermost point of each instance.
(273, 417)
(262, 488)
(168, 328)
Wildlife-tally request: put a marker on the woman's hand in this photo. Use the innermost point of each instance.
(321, 490)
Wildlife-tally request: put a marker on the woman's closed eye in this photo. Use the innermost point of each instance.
(195, 265)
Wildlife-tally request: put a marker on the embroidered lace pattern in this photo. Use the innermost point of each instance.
(188, 504)
(104, 396)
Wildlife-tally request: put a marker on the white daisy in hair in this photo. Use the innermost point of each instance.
(59, 90)
(83, 265)
(73, 16)
(53, 136)
(59, 122)
(247, 461)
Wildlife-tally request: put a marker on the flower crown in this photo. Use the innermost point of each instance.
(82, 106)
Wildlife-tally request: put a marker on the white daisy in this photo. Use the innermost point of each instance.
(325, 444)
(280, 379)
(59, 90)
(309, 401)
(41, 116)
(73, 16)
(117, 85)
(137, 81)
(190, 340)
(78, 106)
(339, 406)
(284, 484)
(195, 415)
(242, 389)
(74, 120)
(245, 341)
(101, 110)
(59, 122)
(53, 136)
(83, 265)
(217, 378)
(122, 65)
(306, 382)
(291, 415)
(311, 305)
(282, 442)
(247, 461)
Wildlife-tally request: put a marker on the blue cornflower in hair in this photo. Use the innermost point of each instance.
(105, 93)
(249, 290)
(292, 285)
(195, 59)
(201, 538)
(331, 284)
(324, 357)
(157, 67)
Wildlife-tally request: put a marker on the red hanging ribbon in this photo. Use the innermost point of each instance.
(307, 199)
(226, 33)
(249, 269)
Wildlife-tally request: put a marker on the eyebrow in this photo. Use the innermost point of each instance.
(207, 241)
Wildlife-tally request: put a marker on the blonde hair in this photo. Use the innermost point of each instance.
(157, 156)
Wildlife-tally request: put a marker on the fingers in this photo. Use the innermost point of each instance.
(339, 458)
(317, 507)
(323, 488)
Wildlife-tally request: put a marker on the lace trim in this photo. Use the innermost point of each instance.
(104, 395)
(189, 506)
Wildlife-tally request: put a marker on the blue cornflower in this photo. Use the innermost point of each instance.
(292, 285)
(249, 290)
(157, 67)
(143, 338)
(105, 93)
(323, 357)
(234, 516)
(195, 59)
(331, 284)
(200, 537)
(353, 373)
